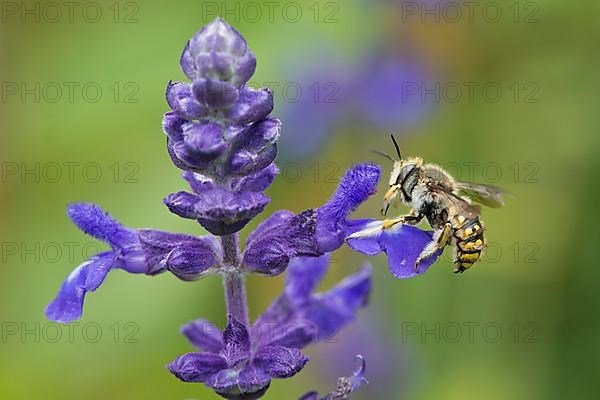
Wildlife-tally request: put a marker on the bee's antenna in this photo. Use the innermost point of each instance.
(383, 154)
(397, 147)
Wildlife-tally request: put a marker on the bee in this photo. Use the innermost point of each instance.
(433, 194)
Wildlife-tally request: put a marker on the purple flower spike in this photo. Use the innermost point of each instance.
(220, 133)
(228, 365)
(218, 52)
(402, 244)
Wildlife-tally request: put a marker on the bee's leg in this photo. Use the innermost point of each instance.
(440, 239)
(411, 219)
(376, 227)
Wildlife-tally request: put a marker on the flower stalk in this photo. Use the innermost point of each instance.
(233, 279)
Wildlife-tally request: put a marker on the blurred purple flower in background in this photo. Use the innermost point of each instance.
(383, 91)
(388, 92)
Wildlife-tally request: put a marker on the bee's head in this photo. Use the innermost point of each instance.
(400, 182)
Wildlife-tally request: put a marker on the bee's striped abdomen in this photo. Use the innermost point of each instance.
(468, 234)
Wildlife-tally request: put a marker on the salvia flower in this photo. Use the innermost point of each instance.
(345, 385)
(144, 251)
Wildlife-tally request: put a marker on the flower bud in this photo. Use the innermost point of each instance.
(218, 52)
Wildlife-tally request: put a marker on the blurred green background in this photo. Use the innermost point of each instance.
(521, 325)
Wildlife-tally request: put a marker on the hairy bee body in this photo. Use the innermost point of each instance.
(433, 194)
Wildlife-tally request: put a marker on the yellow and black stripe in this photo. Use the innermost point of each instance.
(468, 233)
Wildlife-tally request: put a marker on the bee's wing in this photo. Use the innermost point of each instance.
(461, 206)
(487, 195)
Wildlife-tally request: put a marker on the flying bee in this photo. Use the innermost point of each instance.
(432, 193)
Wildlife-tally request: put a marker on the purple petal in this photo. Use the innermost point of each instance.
(366, 245)
(204, 140)
(186, 158)
(253, 106)
(258, 181)
(218, 51)
(184, 255)
(256, 149)
(272, 222)
(97, 223)
(68, 304)
(270, 253)
(204, 335)
(215, 94)
(182, 102)
(297, 334)
(279, 361)
(303, 276)
(356, 186)
(236, 340)
(224, 382)
(190, 262)
(402, 244)
(198, 182)
(223, 212)
(245, 162)
(187, 62)
(253, 380)
(331, 310)
(172, 125)
(197, 367)
(279, 312)
(182, 204)
(175, 148)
